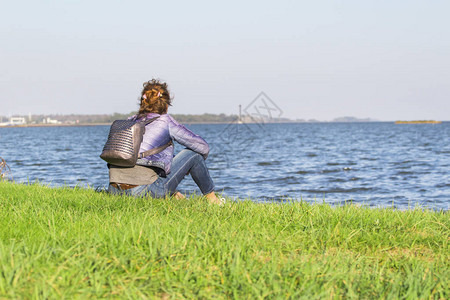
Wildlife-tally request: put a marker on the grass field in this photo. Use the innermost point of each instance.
(77, 243)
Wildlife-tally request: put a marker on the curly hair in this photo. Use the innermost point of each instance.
(155, 98)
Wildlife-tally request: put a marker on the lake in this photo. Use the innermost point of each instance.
(378, 164)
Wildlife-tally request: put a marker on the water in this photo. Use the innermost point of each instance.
(379, 164)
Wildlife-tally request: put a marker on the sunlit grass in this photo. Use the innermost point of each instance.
(77, 243)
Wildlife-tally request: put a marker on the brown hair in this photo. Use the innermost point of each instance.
(155, 98)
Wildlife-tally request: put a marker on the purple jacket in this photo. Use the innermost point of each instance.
(160, 132)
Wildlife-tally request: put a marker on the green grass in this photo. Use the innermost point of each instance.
(77, 243)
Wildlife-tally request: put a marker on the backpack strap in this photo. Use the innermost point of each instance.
(146, 122)
(155, 150)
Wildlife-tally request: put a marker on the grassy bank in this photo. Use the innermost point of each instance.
(74, 243)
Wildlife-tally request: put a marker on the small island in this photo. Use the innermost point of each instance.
(419, 122)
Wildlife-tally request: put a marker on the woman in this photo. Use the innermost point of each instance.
(158, 175)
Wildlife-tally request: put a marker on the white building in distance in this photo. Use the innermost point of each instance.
(14, 121)
(50, 121)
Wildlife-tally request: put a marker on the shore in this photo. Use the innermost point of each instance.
(79, 243)
(248, 123)
(56, 125)
(93, 124)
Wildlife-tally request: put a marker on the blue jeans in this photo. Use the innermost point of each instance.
(187, 161)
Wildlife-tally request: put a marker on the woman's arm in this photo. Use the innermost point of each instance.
(187, 138)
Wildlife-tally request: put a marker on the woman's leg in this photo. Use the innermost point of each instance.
(187, 161)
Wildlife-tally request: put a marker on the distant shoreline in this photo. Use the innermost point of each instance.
(186, 123)
(214, 123)
(93, 124)
(56, 125)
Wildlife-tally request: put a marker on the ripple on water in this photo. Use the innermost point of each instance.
(336, 179)
(326, 171)
(404, 173)
(303, 172)
(267, 163)
(338, 190)
(369, 158)
(443, 185)
(404, 162)
(442, 152)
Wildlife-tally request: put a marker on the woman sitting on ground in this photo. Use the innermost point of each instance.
(158, 175)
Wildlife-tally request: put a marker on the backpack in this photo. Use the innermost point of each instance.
(124, 140)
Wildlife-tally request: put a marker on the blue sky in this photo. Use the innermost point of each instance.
(386, 60)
